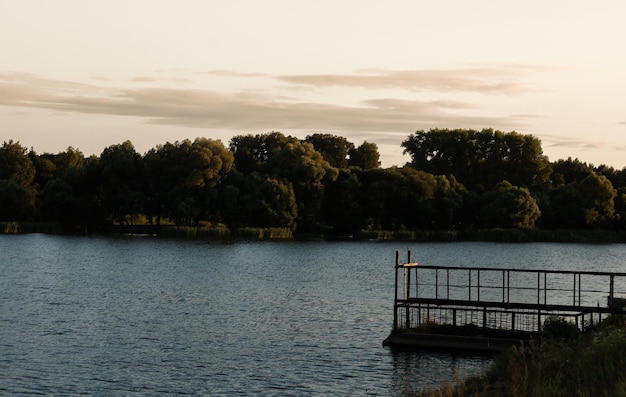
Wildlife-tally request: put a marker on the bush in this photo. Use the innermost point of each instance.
(559, 329)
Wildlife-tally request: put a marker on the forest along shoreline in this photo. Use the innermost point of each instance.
(458, 185)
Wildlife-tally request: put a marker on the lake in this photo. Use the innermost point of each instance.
(148, 316)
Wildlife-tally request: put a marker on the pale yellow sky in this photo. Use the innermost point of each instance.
(90, 74)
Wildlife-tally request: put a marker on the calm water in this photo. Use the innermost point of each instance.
(147, 316)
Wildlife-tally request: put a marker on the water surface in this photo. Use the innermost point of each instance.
(148, 316)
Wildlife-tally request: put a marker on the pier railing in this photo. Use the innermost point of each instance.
(502, 298)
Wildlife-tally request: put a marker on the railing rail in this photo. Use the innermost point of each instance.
(455, 294)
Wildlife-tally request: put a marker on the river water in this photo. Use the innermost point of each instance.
(148, 316)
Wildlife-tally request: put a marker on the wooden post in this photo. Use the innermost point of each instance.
(578, 289)
(612, 282)
(508, 286)
(545, 288)
(485, 317)
(503, 287)
(408, 277)
(574, 291)
(395, 294)
(407, 272)
(538, 287)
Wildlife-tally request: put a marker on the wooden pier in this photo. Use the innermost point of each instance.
(489, 309)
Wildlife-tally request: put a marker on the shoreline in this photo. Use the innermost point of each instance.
(220, 232)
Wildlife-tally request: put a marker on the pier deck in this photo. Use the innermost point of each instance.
(489, 309)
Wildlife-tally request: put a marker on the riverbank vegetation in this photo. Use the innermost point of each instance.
(564, 362)
(459, 185)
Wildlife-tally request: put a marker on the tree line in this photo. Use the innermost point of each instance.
(456, 179)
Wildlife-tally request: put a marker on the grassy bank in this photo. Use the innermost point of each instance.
(30, 227)
(500, 235)
(220, 231)
(564, 363)
(208, 232)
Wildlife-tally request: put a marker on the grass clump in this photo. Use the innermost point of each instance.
(564, 362)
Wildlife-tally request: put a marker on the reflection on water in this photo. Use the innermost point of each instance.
(413, 371)
(149, 316)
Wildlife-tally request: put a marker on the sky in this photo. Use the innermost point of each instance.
(90, 74)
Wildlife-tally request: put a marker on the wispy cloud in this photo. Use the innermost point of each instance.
(232, 73)
(244, 110)
(485, 80)
(154, 80)
(573, 144)
(143, 79)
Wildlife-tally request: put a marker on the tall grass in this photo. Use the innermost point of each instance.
(264, 233)
(563, 363)
(10, 228)
(30, 227)
(208, 232)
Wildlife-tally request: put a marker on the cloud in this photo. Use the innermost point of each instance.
(143, 79)
(245, 110)
(486, 80)
(573, 144)
(231, 73)
(99, 77)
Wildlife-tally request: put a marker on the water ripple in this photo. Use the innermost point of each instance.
(145, 317)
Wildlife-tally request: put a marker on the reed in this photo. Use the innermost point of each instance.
(264, 233)
(563, 363)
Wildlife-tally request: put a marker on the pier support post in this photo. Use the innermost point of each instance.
(395, 294)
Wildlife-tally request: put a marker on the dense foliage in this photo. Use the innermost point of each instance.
(457, 180)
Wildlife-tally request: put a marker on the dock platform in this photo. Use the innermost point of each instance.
(485, 309)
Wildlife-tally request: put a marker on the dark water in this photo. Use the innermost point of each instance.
(147, 316)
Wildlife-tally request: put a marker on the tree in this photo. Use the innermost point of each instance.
(480, 159)
(70, 159)
(262, 201)
(59, 202)
(341, 206)
(306, 169)
(620, 207)
(45, 169)
(365, 156)
(448, 203)
(569, 171)
(252, 152)
(334, 149)
(123, 177)
(585, 204)
(287, 158)
(183, 177)
(15, 164)
(508, 206)
(15, 201)
(161, 180)
(617, 177)
(76, 197)
(599, 205)
(18, 173)
(397, 198)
